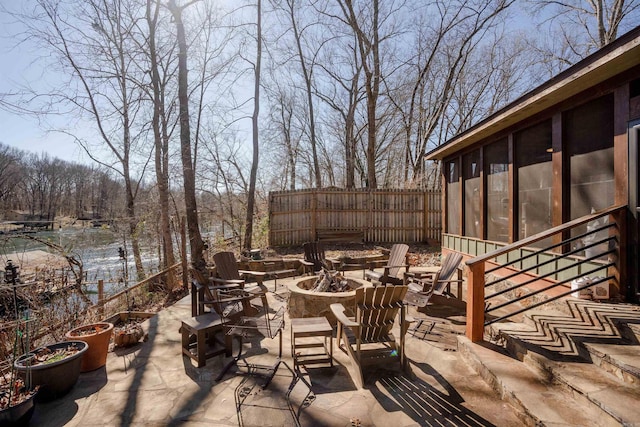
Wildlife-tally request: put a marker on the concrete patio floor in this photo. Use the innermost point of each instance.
(152, 384)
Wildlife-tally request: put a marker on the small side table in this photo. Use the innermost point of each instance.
(205, 346)
(311, 327)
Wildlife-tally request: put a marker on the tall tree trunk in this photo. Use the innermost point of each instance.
(369, 47)
(373, 90)
(306, 73)
(251, 197)
(161, 149)
(350, 142)
(189, 177)
(132, 223)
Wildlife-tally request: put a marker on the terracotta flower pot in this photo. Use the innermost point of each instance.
(97, 335)
(56, 376)
(128, 329)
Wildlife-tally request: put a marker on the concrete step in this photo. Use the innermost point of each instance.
(611, 353)
(538, 401)
(588, 384)
(595, 333)
(622, 361)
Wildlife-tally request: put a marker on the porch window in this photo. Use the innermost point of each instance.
(453, 197)
(535, 178)
(471, 174)
(588, 138)
(496, 161)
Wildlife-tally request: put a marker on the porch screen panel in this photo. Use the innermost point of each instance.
(588, 137)
(535, 179)
(453, 197)
(496, 160)
(471, 174)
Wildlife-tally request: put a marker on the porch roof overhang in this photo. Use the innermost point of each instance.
(614, 59)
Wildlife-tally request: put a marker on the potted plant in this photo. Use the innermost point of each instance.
(128, 328)
(16, 401)
(17, 398)
(97, 336)
(55, 367)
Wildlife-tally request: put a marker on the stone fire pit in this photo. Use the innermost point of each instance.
(306, 303)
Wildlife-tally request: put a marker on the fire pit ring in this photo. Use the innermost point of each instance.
(307, 303)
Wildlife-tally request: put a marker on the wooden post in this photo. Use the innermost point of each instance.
(314, 215)
(194, 300)
(183, 249)
(101, 298)
(425, 216)
(620, 269)
(475, 302)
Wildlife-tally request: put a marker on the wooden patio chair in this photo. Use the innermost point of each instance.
(264, 325)
(398, 259)
(228, 274)
(229, 301)
(204, 334)
(367, 337)
(314, 257)
(422, 286)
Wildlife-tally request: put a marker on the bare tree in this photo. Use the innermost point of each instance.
(342, 93)
(285, 135)
(10, 173)
(161, 137)
(92, 41)
(251, 196)
(585, 26)
(224, 170)
(299, 29)
(369, 50)
(444, 56)
(188, 170)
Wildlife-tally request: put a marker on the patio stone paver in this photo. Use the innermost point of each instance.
(152, 384)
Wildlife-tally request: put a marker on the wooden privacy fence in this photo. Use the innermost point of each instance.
(360, 215)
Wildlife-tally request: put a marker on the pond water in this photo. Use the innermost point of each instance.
(97, 248)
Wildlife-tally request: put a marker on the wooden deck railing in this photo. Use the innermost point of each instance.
(60, 320)
(111, 304)
(502, 257)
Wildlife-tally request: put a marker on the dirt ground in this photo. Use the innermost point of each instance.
(419, 254)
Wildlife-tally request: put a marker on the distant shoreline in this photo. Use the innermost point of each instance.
(34, 259)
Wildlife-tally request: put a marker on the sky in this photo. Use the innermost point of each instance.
(25, 131)
(18, 68)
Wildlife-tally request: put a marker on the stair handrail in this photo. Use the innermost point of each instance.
(476, 266)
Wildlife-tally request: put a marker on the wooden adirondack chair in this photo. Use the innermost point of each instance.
(367, 336)
(228, 301)
(314, 257)
(392, 271)
(227, 270)
(423, 286)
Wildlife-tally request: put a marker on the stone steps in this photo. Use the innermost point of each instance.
(559, 366)
(538, 401)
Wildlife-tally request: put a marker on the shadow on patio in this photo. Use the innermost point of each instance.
(154, 384)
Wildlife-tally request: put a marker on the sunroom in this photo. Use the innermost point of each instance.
(545, 191)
